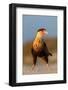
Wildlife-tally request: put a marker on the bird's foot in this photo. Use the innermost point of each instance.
(47, 66)
(33, 67)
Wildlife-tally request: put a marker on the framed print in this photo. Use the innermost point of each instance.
(37, 44)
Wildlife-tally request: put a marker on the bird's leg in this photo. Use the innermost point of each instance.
(34, 61)
(46, 60)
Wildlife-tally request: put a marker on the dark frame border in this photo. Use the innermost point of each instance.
(12, 43)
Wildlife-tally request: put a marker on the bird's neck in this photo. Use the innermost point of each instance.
(38, 37)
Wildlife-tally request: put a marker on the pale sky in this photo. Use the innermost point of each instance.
(31, 23)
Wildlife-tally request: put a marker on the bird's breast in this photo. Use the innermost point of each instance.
(37, 45)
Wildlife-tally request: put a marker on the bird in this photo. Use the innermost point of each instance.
(39, 47)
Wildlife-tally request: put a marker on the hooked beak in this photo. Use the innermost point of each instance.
(45, 32)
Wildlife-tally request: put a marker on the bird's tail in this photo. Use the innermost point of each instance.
(50, 54)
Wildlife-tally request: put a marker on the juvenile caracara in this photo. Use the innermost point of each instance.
(39, 47)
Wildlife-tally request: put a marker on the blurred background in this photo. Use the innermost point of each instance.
(31, 23)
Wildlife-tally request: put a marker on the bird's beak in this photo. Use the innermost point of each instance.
(45, 32)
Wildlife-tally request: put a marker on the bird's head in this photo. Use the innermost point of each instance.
(41, 32)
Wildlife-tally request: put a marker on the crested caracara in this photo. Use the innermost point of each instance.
(39, 47)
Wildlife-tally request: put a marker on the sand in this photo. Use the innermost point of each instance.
(41, 67)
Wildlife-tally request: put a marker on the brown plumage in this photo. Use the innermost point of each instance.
(39, 47)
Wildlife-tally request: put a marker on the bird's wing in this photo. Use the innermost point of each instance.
(45, 47)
